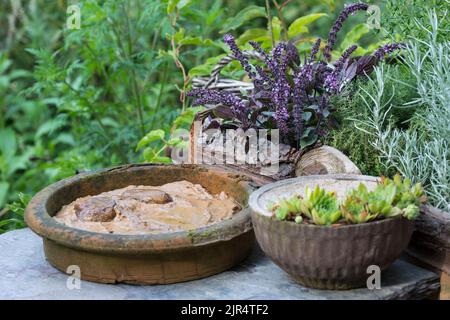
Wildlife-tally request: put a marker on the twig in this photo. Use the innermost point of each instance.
(269, 17)
(176, 53)
(137, 93)
(161, 89)
(280, 16)
(126, 56)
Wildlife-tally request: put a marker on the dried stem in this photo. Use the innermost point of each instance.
(280, 8)
(176, 55)
(269, 18)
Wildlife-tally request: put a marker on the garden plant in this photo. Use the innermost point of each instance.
(390, 198)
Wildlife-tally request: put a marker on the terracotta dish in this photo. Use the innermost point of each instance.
(145, 258)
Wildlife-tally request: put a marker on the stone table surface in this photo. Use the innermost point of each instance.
(27, 275)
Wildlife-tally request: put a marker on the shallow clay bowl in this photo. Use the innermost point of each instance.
(143, 259)
(335, 257)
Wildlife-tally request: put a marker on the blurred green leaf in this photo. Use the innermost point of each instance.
(186, 118)
(201, 70)
(148, 153)
(331, 4)
(18, 207)
(249, 13)
(254, 34)
(299, 25)
(276, 28)
(206, 68)
(171, 5)
(161, 160)
(174, 141)
(179, 35)
(8, 145)
(354, 35)
(177, 4)
(183, 3)
(153, 135)
(51, 126)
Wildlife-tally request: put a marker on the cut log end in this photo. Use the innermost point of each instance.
(325, 160)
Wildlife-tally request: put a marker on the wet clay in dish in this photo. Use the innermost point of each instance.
(175, 206)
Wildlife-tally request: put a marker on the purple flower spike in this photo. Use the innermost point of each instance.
(209, 96)
(229, 40)
(315, 50)
(260, 50)
(263, 75)
(292, 53)
(332, 81)
(350, 9)
(386, 49)
(276, 55)
(281, 90)
(347, 53)
(282, 116)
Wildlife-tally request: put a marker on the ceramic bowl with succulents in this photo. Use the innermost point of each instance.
(327, 230)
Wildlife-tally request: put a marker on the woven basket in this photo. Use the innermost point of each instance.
(215, 82)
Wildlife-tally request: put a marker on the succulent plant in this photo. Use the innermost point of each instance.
(380, 200)
(298, 219)
(282, 211)
(406, 194)
(311, 199)
(326, 215)
(390, 198)
(408, 197)
(286, 208)
(321, 206)
(362, 205)
(355, 211)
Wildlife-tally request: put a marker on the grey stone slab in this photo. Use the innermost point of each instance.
(27, 275)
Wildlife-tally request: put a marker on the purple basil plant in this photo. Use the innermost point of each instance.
(289, 94)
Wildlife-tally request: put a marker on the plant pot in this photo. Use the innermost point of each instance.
(326, 257)
(143, 259)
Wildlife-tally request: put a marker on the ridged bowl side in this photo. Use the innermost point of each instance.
(328, 257)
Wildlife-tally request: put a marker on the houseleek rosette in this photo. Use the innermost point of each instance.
(390, 198)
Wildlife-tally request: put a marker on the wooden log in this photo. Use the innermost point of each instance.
(430, 242)
(445, 286)
(430, 245)
(291, 162)
(324, 160)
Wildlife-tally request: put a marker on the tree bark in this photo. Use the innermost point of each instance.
(430, 242)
